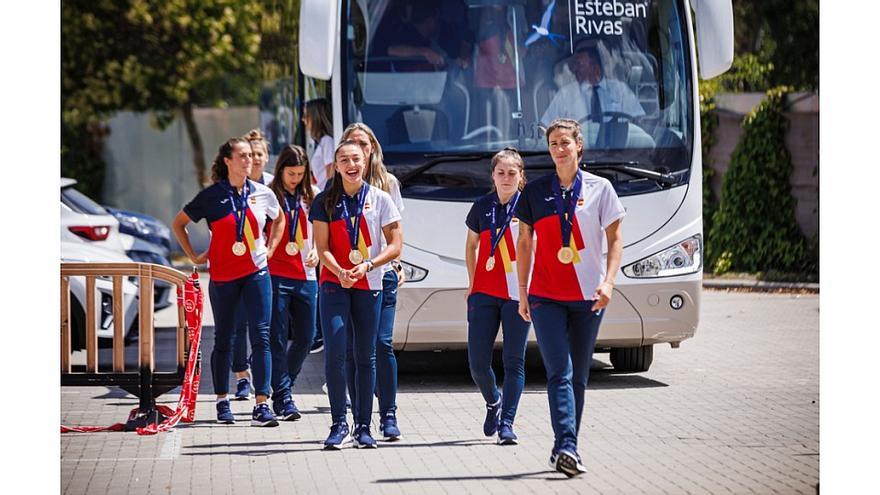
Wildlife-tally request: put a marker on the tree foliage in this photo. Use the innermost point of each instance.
(784, 33)
(163, 57)
(754, 228)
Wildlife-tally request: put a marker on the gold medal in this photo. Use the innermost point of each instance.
(490, 264)
(238, 249)
(355, 257)
(291, 249)
(565, 255)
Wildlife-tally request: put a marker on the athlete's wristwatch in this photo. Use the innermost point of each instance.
(369, 265)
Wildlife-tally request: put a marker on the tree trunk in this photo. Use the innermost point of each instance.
(195, 140)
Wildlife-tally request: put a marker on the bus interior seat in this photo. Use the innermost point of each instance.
(417, 124)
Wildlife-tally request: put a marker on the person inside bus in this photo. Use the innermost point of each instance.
(495, 68)
(592, 94)
(427, 35)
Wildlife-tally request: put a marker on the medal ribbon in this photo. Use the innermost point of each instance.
(292, 215)
(353, 225)
(239, 217)
(496, 237)
(566, 211)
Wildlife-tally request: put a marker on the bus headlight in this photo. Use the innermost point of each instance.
(413, 273)
(683, 258)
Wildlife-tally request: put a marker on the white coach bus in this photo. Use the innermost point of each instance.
(446, 83)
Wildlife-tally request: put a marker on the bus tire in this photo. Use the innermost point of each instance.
(632, 359)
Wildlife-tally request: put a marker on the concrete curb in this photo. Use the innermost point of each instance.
(758, 285)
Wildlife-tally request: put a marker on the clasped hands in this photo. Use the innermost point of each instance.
(347, 278)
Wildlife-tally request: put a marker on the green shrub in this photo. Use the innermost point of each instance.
(754, 227)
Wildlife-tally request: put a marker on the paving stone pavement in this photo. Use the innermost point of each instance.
(734, 410)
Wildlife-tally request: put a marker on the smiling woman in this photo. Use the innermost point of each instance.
(349, 218)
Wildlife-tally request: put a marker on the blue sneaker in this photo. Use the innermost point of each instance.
(388, 426)
(224, 413)
(338, 434)
(569, 463)
(286, 409)
(262, 416)
(243, 389)
(506, 436)
(493, 418)
(362, 437)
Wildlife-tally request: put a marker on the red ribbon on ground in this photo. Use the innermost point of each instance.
(192, 298)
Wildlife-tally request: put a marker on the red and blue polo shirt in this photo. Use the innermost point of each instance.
(284, 265)
(379, 211)
(501, 280)
(215, 205)
(597, 207)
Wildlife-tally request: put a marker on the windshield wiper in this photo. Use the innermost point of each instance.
(438, 158)
(631, 168)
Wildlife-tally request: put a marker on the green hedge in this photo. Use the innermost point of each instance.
(754, 227)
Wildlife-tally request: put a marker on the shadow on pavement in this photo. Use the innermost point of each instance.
(506, 477)
(418, 372)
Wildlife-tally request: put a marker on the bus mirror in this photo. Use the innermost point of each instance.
(317, 37)
(714, 23)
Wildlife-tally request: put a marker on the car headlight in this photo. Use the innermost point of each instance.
(681, 259)
(413, 273)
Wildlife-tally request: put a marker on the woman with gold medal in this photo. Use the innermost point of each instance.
(565, 287)
(349, 218)
(294, 280)
(236, 209)
(492, 297)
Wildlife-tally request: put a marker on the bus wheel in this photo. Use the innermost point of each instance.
(632, 358)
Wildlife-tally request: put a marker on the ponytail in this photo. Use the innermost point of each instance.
(219, 170)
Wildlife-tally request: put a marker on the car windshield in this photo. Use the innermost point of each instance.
(462, 77)
(81, 203)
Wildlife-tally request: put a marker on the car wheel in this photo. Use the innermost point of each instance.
(633, 359)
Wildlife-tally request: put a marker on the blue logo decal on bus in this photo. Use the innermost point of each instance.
(544, 28)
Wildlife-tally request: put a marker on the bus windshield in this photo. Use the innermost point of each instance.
(475, 76)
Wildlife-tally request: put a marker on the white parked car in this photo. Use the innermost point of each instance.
(78, 252)
(87, 222)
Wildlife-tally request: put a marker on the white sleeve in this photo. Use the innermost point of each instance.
(272, 206)
(395, 193)
(388, 213)
(610, 207)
